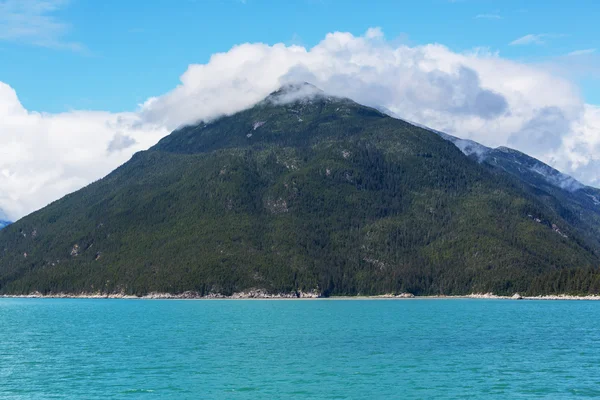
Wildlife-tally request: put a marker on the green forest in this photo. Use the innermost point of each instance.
(318, 194)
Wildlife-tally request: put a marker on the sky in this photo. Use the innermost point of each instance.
(85, 84)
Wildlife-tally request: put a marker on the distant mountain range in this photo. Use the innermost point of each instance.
(514, 162)
(4, 222)
(306, 192)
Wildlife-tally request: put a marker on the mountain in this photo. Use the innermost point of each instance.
(576, 202)
(516, 163)
(308, 192)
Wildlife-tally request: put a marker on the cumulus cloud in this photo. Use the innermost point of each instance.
(544, 131)
(45, 156)
(476, 95)
(120, 142)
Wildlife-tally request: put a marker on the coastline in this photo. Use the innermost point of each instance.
(262, 295)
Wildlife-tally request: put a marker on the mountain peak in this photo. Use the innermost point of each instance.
(295, 91)
(292, 87)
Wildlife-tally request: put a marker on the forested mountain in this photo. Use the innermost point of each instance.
(576, 202)
(302, 193)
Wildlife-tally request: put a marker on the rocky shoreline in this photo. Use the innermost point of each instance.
(517, 296)
(188, 295)
(264, 295)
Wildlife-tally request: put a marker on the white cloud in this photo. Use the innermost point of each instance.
(45, 156)
(582, 52)
(33, 22)
(476, 95)
(488, 16)
(120, 142)
(539, 38)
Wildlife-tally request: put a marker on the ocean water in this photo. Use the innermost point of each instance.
(323, 349)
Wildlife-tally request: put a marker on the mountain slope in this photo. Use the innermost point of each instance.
(577, 203)
(298, 194)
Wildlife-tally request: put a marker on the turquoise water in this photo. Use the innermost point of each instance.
(404, 349)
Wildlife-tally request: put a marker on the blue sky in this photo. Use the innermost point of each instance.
(112, 54)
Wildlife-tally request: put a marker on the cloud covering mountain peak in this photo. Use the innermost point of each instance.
(475, 95)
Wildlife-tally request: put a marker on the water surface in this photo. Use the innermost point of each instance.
(343, 349)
